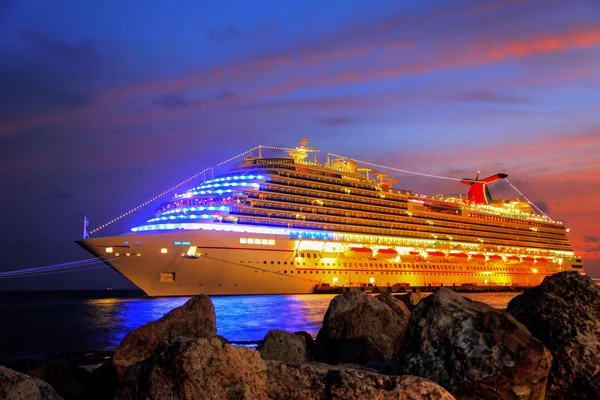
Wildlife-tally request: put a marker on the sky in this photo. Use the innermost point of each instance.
(104, 105)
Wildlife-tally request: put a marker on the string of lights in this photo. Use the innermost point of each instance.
(173, 188)
(528, 201)
(400, 170)
(260, 148)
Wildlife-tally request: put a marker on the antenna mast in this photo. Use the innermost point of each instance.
(86, 222)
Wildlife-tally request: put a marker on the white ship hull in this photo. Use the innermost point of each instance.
(218, 263)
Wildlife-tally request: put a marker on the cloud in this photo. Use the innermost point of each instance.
(491, 97)
(591, 239)
(83, 52)
(174, 100)
(232, 33)
(334, 122)
(223, 95)
(222, 35)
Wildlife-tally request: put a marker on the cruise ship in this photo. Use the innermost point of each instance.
(284, 225)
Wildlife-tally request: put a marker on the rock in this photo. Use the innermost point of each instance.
(358, 328)
(396, 305)
(474, 350)
(69, 380)
(563, 312)
(283, 346)
(197, 369)
(105, 381)
(322, 381)
(196, 318)
(411, 299)
(17, 386)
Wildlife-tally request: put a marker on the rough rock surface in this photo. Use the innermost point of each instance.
(357, 329)
(197, 369)
(17, 386)
(69, 380)
(284, 346)
(474, 350)
(563, 312)
(411, 300)
(398, 307)
(322, 381)
(196, 318)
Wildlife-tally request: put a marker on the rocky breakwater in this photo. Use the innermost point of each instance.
(368, 348)
(563, 312)
(473, 350)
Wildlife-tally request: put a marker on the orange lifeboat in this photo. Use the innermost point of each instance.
(513, 259)
(458, 257)
(477, 257)
(494, 258)
(387, 252)
(540, 260)
(527, 260)
(436, 255)
(359, 252)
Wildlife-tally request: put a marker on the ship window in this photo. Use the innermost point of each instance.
(264, 262)
(272, 262)
(250, 241)
(256, 241)
(167, 277)
(302, 255)
(265, 241)
(285, 271)
(271, 242)
(243, 240)
(285, 263)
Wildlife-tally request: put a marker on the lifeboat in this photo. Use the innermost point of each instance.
(540, 260)
(513, 259)
(436, 255)
(458, 257)
(494, 258)
(477, 257)
(387, 252)
(527, 260)
(411, 256)
(359, 252)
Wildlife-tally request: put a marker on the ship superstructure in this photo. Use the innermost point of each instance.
(286, 225)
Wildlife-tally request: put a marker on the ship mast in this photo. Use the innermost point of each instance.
(300, 153)
(86, 222)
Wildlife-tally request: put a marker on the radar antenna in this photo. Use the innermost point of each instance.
(300, 153)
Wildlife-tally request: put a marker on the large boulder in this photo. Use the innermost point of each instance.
(474, 350)
(563, 312)
(411, 300)
(69, 380)
(284, 346)
(17, 386)
(358, 329)
(322, 381)
(197, 369)
(196, 318)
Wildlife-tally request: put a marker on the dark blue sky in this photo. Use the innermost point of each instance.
(106, 104)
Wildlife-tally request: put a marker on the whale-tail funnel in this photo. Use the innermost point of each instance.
(479, 193)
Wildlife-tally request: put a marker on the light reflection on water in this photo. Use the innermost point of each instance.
(45, 327)
(239, 318)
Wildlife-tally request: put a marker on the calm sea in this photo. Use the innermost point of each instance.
(40, 325)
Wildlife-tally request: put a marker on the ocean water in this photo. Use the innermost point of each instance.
(40, 325)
